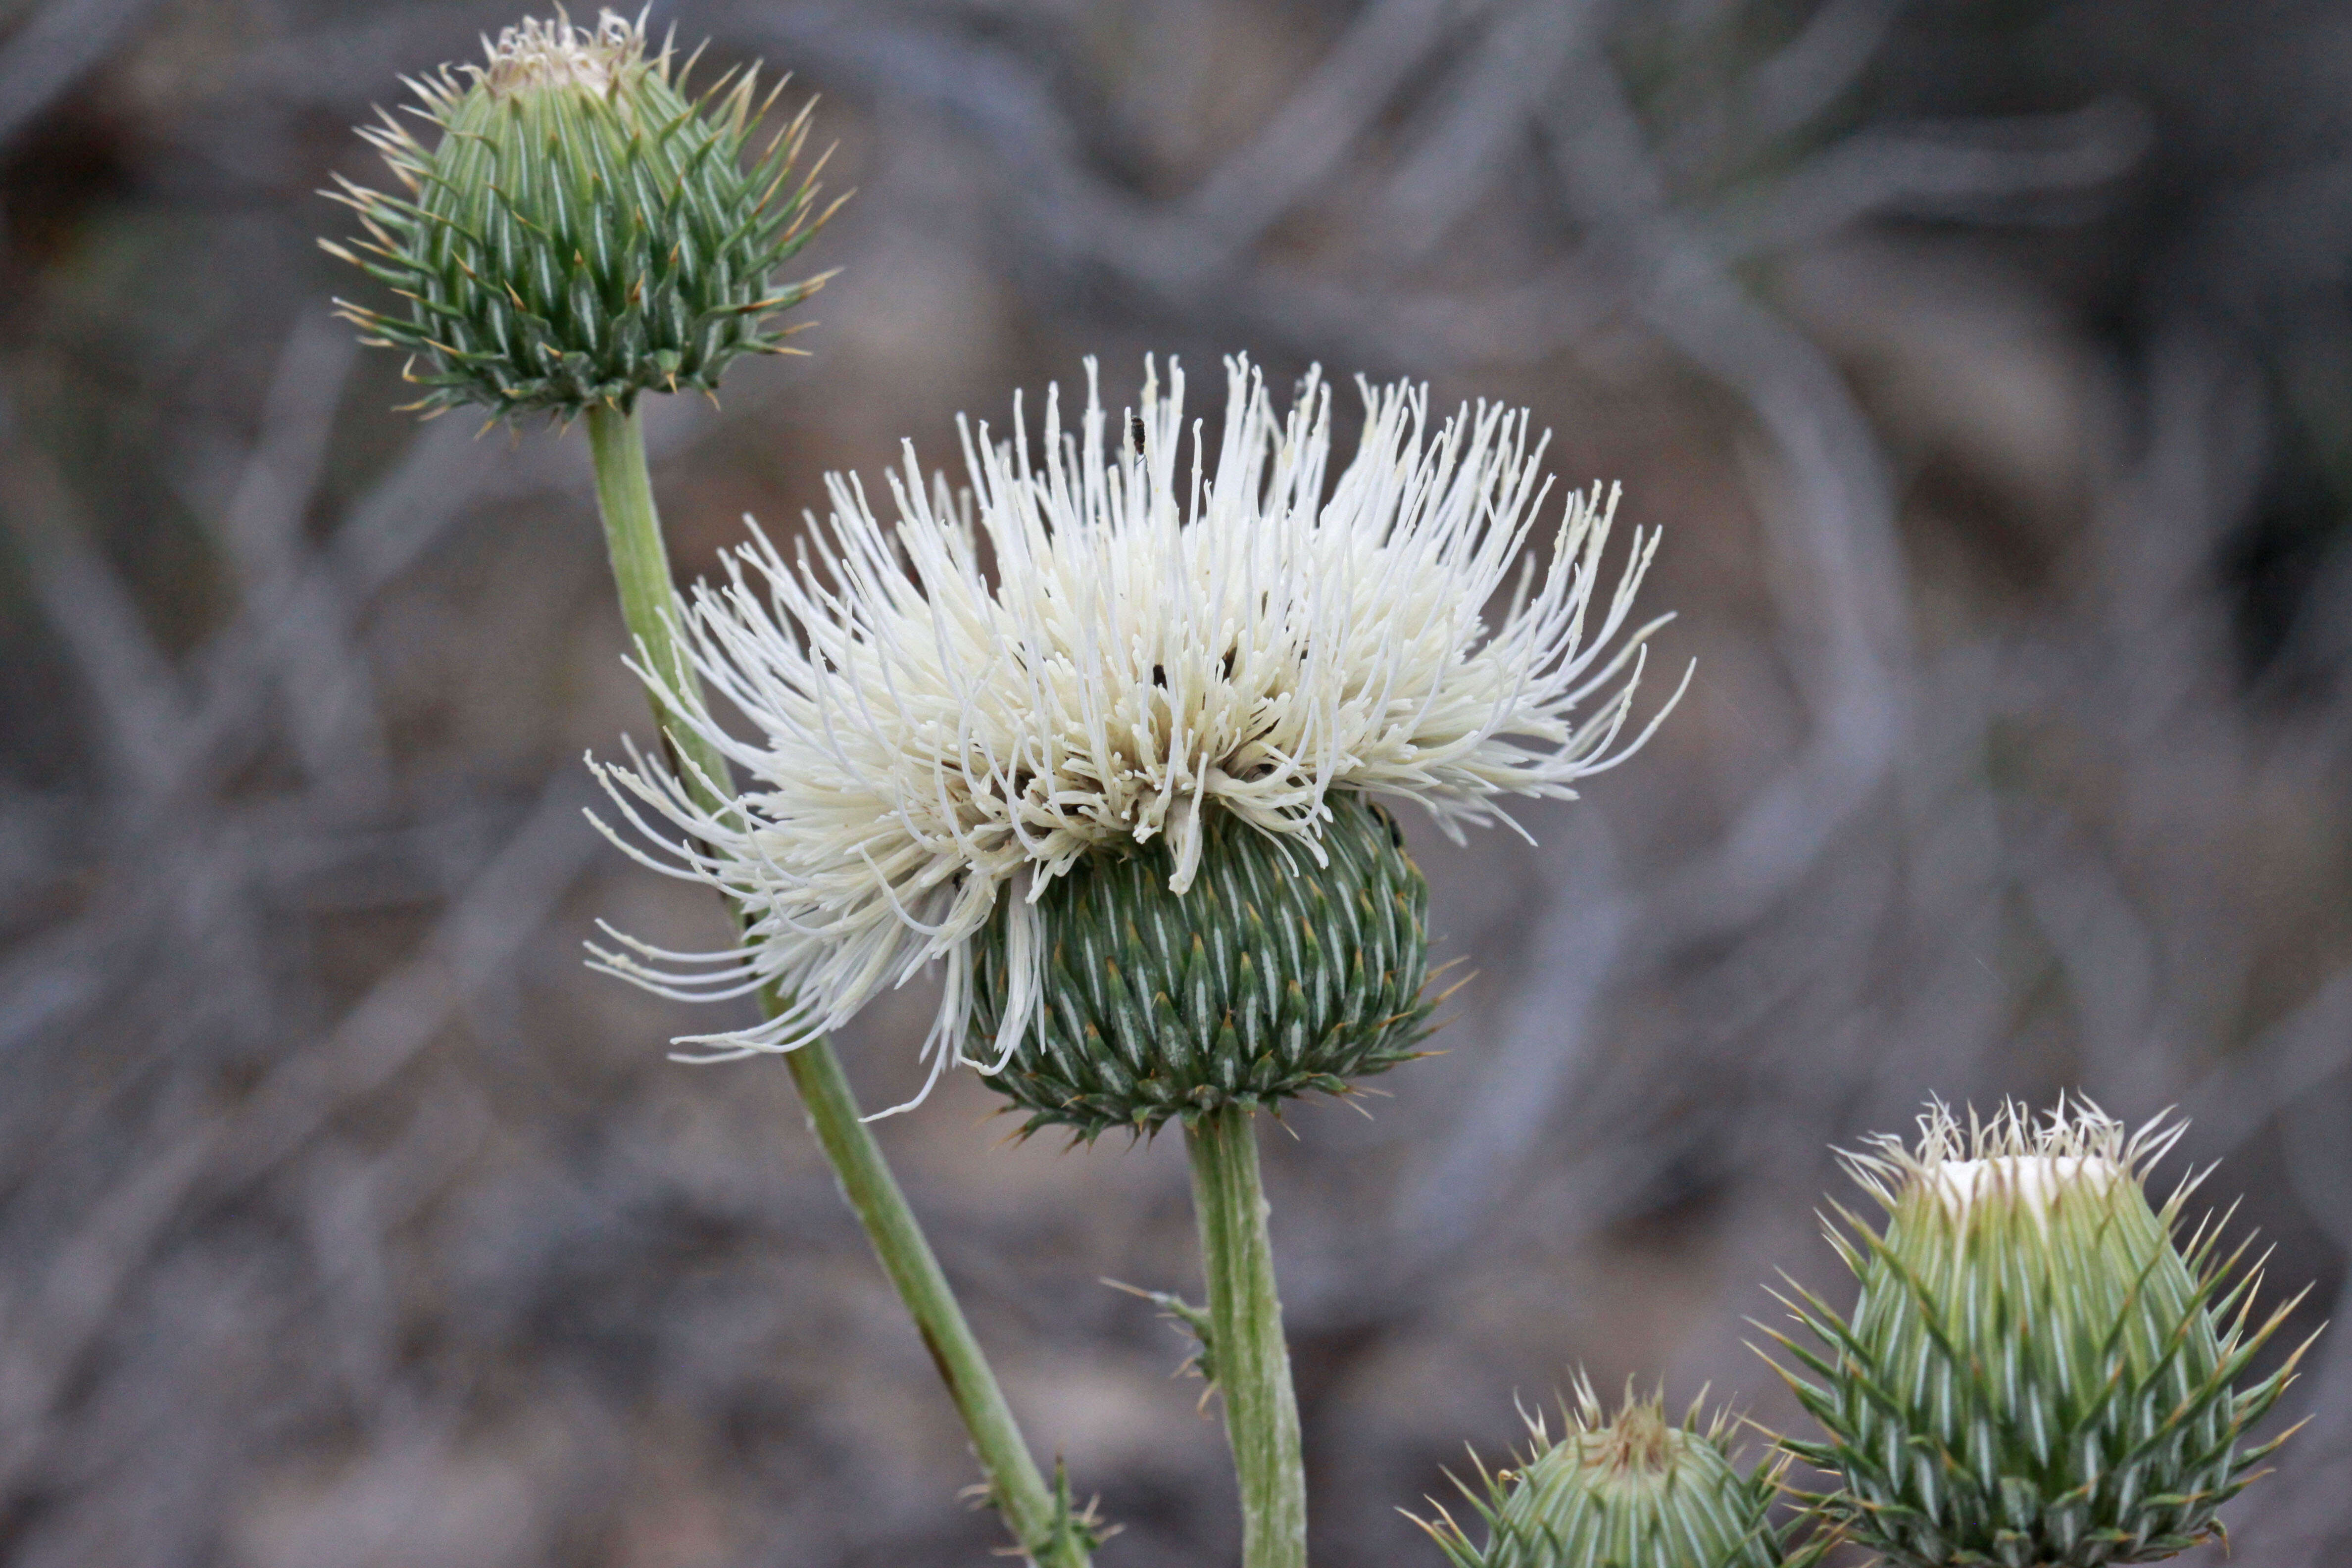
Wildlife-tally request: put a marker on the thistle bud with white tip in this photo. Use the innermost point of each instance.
(1632, 1490)
(2035, 1375)
(579, 231)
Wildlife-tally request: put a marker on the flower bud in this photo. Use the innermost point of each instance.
(580, 231)
(2034, 1373)
(1270, 976)
(1636, 1490)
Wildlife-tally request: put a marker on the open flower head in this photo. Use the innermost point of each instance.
(1125, 638)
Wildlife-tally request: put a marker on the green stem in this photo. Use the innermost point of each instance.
(1251, 1362)
(1039, 1515)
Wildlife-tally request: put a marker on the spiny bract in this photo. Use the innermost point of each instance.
(581, 231)
(1272, 976)
(2035, 1375)
(1634, 1491)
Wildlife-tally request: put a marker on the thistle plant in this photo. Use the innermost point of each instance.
(1103, 738)
(1112, 738)
(1633, 1490)
(2037, 1374)
(576, 231)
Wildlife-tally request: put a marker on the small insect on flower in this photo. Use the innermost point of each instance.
(579, 231)
(2036, 1375)
(1101, 734)
(1632, 1490)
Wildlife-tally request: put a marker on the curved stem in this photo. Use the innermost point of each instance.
(1249, 1358)
(1039, 1515)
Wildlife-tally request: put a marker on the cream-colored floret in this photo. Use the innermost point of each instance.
(536, 54)
(2035, 1181)
(2011, 1158)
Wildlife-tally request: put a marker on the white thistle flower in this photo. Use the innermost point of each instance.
(1093, 647)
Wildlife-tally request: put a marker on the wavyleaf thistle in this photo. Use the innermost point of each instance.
(1632, 1490)
(2036, 1374)
(1113, 660)
(579, 230)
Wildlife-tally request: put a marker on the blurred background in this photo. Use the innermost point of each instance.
(1988, 363)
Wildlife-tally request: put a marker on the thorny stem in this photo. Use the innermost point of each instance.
(1039, 1515)
(1252, 1362)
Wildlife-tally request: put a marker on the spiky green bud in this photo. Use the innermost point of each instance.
(580, 231)
(2036, 1374)
(1268, 977)
(1633, 1490)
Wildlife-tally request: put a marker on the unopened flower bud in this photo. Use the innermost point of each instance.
(578, 231)
(2035, 1373)
(1269, 976)
(1633, 1490)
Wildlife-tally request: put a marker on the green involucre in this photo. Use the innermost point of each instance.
(1270, 976)
(1636, 1490)
(2035, 1379)
(582, 233)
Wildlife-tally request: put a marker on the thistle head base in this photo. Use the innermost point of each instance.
(1270, 977)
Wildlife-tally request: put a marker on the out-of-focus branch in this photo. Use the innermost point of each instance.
(501, 912)
(1833, 529)
(2297, 1055)
(323, 682)
(1806, 75)
(1542, 1049)
(130, 685)
(1929, 171)
(1314, 130)
(53, 50)
(1486, 104)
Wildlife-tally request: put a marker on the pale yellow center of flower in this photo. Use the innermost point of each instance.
(2033, 1180)
(539, 55)
(1640, 1441)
